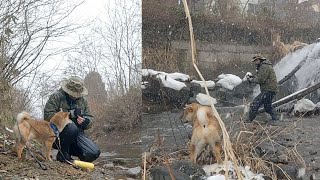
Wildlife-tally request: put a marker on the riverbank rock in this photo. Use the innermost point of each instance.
(134, 172)
(292, 171)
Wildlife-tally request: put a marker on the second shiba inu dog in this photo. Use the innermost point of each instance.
(206, 130)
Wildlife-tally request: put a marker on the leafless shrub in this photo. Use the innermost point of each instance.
(160, 59)
(121, 112)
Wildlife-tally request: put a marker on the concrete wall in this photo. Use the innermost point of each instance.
(215, 59)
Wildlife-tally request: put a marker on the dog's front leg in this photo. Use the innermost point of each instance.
(217, 152)
(19, 149)
(193, 158)
(48, 146)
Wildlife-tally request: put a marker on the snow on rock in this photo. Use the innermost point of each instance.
(213, 172)
(171, 83)
(245, 78)
(204, 99)
(216, 177)
(304, 105)
(209, 84)
(144, 84)
(229, 81)
(179, 76)
(176, 75)
(149, 72)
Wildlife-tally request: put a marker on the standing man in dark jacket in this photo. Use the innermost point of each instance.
(266, 78)
(73, 142)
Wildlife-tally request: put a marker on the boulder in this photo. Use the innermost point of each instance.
(134, 172)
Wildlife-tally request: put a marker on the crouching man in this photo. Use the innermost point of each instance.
(73, 141)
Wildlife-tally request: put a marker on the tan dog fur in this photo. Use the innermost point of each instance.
(27, 128)
(206, 130)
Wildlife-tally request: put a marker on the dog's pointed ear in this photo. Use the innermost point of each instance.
(61, 110)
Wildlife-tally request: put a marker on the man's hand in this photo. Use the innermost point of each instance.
(80, 120)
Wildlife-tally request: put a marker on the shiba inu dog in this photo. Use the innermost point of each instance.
(27, 128)
(206, 130)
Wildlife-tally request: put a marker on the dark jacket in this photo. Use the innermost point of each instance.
(266, 77)
(60, 100)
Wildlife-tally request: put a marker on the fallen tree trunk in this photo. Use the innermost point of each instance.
(295, 96)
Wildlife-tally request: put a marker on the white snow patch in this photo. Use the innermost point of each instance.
(229, 81)
(209, 84)
(149, 72)
(171, 83)
(204, 99)
(179, 76)
(216, 177)
(246, 77)
(301, 1)
(304, 105)
(10, 130)
(176, 75)
(213, 172)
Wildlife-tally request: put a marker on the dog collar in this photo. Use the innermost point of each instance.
(55, 129)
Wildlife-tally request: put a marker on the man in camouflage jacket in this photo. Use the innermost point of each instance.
(73, 142)
(266, 78)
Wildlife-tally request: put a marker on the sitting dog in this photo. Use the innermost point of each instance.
(44, 132)
(206, 130)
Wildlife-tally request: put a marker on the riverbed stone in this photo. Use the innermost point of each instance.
(108, 166)
(134, 172)
(291, 170)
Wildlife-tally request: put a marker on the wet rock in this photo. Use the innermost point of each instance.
(313, 152)
(162, 173)
(108, 166)
(191, 169)
(283, 159)
(134, 172)
(119, 162)
(291, 170)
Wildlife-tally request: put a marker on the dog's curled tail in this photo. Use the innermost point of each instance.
(20, 117)
(23, 116)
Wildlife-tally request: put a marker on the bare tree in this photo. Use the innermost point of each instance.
(112, 48)
(27, 27)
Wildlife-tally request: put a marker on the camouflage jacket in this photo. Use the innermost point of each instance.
(266, 77)
(58, 100)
